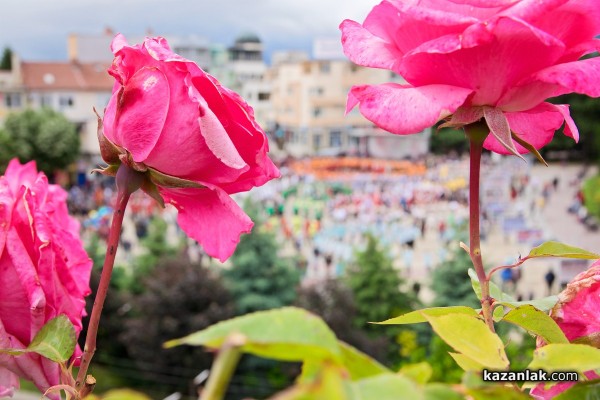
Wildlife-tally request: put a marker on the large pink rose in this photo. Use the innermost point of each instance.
(44, 271)
(577, 313)
(473, 59)
(170, 116)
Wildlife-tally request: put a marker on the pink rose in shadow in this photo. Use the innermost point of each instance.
(44, 271)
(577, 313)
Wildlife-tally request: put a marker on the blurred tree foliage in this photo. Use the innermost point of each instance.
(377, 285)
(179, 298)
(378, 294)
(333, 301)
(586, 114)
(446, 141)
(259, 278)
(591, 194)
(155, 247)
(45, 136)
(6, 60)
(450, 281)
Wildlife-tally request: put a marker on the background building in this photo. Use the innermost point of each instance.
(309, 103)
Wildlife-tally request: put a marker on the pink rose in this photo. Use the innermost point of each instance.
(44, 271)
(166, 115)
(577, 313)
(473, 59)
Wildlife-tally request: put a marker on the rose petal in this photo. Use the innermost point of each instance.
(536, 126)
(182, 150)
(210, 217)
(570, 127)
(579, 76)
(482, 51)
(141, 111)
(403, 109)
(366, 49)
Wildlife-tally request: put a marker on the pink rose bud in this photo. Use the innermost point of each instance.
(577, 313)
(169, 116)
(44, 271)
(492, 59)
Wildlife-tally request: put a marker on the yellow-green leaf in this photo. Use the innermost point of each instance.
(289, 334)
(385, 387)
(418, 372)
(470, 336)
(557, 249)
(566, 357)
(536, 322)
(418, 316)
(360, 365)
(466, 363)
(439, 391)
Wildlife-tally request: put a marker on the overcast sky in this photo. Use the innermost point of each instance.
(37, 29)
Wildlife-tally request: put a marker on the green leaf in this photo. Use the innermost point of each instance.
(289, 334)
(418, 316)
(329, 383)
(439, 391)
(56, 341)
(386, 387)
(543, 304)
(497, 393)
(360, 365)
(536, 322)
(124, 394)
(582, 391)
(495, 292)
(566, 357)
(466, 363)
(470, 336)
(557, 249)
(418, 372)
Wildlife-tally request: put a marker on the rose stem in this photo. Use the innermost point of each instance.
(227, 358)
(477, 133)
(128, 181)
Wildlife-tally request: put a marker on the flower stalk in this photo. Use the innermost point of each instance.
(227, 359)
(128, 181)
(477, 133)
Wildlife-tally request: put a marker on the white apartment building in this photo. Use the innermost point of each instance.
(309, 102)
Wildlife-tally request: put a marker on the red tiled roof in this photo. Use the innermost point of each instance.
(66, 76)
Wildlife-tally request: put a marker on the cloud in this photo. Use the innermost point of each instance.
(38, 29)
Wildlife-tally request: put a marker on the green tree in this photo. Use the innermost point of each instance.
(180, 298)
(45, 136)
(379, 295)
(6, 60)
(377, 287)
(450, 281)
(155, 247)
(259, 278)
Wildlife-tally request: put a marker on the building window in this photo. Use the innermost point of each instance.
(335, 139)
(65, 101)
(46, 100)
(316, 91)
(12, 100)
(264, 96)
(317, 111)
(324, 67)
